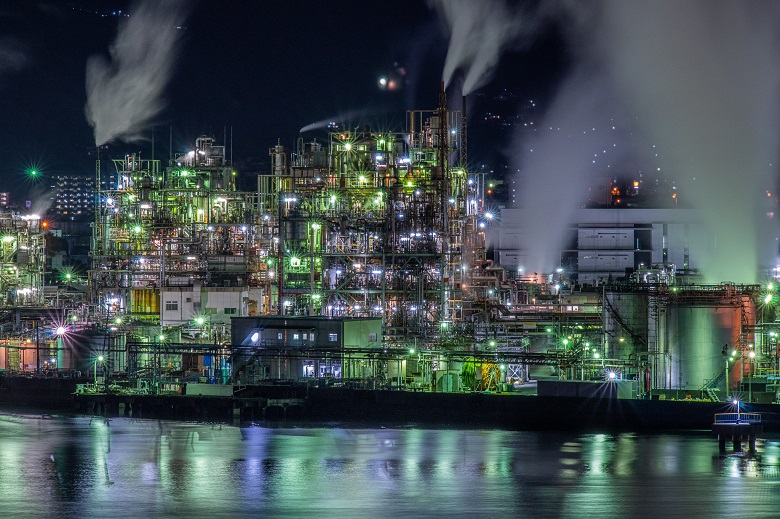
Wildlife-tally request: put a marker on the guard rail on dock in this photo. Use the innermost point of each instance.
(737, 426)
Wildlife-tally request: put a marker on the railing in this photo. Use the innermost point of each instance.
(737, 417)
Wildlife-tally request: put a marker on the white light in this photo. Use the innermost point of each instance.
(254, 337)
(489, 216)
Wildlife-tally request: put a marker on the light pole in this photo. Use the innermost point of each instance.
(98, 359)
(752, 356)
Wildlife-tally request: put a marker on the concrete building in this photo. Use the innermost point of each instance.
(295, 347)
(610, 244)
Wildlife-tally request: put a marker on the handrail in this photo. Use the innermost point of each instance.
(737, 417)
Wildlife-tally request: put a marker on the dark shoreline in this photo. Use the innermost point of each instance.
(301, 404)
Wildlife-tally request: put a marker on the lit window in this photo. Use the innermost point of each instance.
(171, 305)
(333, 337)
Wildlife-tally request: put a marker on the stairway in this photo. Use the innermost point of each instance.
(712, 394)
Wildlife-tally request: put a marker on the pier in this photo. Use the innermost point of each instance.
(737, 427)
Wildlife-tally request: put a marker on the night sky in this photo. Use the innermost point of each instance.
(263, 69)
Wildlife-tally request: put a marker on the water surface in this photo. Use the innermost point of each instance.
(58, 466)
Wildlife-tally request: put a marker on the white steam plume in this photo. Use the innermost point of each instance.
(562, 159)
(12, 55)
(479, 32)
(702, 75)
(125, 93)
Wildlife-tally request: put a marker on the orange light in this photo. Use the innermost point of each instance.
(44, 224)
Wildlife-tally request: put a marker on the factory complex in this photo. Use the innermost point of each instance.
(370, 260)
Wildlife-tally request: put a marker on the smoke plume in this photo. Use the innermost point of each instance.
(583, 137)
(479, 32)
(125, 93)
(12, 56)
(702, 75)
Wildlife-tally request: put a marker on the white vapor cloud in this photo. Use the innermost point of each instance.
(125, 93)
(702, 75)
(12, 56)
(479, 31)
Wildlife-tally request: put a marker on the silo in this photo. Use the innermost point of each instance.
(694, 332)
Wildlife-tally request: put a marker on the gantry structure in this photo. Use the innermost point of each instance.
(22, 259)
(373, 224)
(164, 238)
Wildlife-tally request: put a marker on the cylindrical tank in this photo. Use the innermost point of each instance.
(625, 322)
(695, 337)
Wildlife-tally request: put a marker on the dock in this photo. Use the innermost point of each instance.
(737, 427)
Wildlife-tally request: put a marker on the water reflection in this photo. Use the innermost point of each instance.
(96, 467)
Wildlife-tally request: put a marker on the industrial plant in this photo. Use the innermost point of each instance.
(361, 260)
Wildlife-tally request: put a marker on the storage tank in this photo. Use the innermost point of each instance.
(695, 337)
(696, 329)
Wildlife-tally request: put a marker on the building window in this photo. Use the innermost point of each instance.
(210, 311)
(279, 336)
(371, 337)
(296, 336)
(231, 311)
(333, 337)
(171, 306)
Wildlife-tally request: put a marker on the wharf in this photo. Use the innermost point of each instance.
(737, 427)
(400, 408)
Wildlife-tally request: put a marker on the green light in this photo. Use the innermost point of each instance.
(565, 342)
(332, 199)
(137, 229)
(8, 239)
(161, 337)
(362, 178)
(770, 286)
(316, 297)
(316, 226)
(348, 146)
(492, 343)
(411, 350)
(184, 172)
(596, 355)
(33, 172)
(767, 298)
(199, 320)
(548, 330)
(410, 184)
(118, 320)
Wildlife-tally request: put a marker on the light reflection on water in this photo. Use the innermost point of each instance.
(86, 467)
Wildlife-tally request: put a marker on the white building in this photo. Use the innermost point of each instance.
(608, 243)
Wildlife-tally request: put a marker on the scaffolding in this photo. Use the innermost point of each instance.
(163, 238)
(372, 224)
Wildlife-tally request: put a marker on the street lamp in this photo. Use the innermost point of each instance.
(98, 359)
(752, 356)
